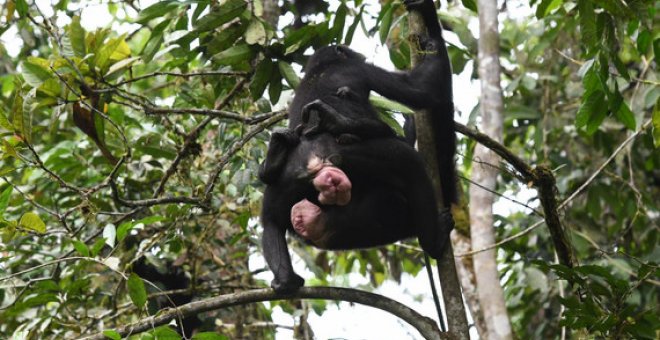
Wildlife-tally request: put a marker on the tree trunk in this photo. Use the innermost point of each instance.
(484, 174)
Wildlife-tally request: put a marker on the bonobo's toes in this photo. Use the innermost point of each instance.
(288, 285)
(309, 108)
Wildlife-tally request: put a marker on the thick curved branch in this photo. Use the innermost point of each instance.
(427, 327)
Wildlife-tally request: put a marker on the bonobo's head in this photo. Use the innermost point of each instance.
(329, 55)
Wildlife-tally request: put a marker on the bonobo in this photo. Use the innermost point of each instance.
(339, 177)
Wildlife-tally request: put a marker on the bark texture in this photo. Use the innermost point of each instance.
(491, 296)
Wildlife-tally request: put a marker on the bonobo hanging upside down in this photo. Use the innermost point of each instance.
(339, 177)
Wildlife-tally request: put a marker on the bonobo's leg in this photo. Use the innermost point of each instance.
(392, 161)
(333, 185)
(318, 116)
(281, 142)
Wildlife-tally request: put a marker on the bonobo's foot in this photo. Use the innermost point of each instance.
(288, 285)
(333, 185)
(307, 220)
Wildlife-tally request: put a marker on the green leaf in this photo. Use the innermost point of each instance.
(165, 333)
(22, 7)
(157, 10)
(275, 86)
(32, 221)
(625, 116)
(385, 25)
(256, 33)
(112, 334)
(261, 78)
(76, 34)
(115, 48)
(587, 23)
(234, 55)
(338, 24)
(299, 39)
(590, 107)
(81, 248)
(229, 10)
(351, 30)
(4, 199)
(471, 5)
(289, 74)
(136, 290)
(35, 71)
(644, 41)
(118, 68)
(656, 50)
(5, 123)
(547, 6)
(225, 38)
(97, 246)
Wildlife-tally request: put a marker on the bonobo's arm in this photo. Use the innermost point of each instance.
(277, 256)
(318, 117)
(281, 142)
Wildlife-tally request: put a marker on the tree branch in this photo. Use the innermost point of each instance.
(426, 326)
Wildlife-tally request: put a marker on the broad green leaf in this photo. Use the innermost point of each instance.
(229, 10)
(547, 6)
(22, 7)
(644, 41)
(234, 55)
(299, 39)
(275, 86)
(587, 23)
(97, 246)
(595, 102)
(115, 49)
(225, 38)
(35, 71)
(152, 47)
(165, 333)
(32, 221)
(470, 4)
(256, 33)
(261, 77)
(385, 25)
(157, 10)
(289, 74)
(4, 199)
(118, 68)
(81, 248)
(338, 24)
(113, 335)
(625, 116)
(5, 123)
(76, 34)
(136, 290)
(351, 30)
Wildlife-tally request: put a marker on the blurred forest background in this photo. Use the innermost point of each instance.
(128, 159)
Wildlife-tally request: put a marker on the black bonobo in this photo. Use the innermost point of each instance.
(339, 177)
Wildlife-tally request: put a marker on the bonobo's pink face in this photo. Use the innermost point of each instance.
(332, 183)
(307, 220)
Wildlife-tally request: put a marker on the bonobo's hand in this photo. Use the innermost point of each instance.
(287, 285)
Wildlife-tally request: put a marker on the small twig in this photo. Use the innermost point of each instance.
(177, 74)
